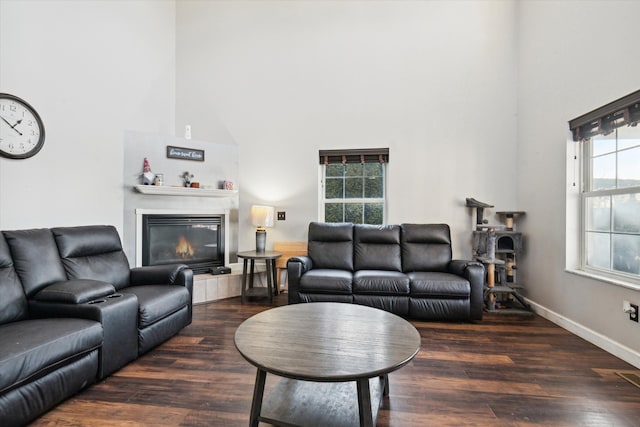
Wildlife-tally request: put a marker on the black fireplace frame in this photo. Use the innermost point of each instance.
(198, 266)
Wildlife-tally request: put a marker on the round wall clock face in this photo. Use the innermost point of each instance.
(21, 129)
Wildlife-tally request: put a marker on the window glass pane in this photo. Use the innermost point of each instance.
(373, 188)
(604, 172)
(598, 252)
(629, 167)
(602, 144)
(626, 213)
(628, 136)
(334, 170)
(599, 213)
(373, 169)
(353, 188)
(334, 212)
(353, 169)
(625, 253)
(334, 188)
(353, 213)
(373, 213)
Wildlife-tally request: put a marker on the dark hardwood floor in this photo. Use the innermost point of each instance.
(504, 371)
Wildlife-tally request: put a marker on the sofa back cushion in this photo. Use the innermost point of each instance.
(13, 303)
(425, 247)
(93, 252)
(331, 245)
(377, 247)
(35, 258)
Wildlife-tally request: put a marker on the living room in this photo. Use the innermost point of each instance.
(472, 98)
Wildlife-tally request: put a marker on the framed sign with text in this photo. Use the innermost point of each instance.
(185, 153)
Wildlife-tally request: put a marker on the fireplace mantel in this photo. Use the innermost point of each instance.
(166, 190)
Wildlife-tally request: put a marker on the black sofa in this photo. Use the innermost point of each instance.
(72, 312)
(405, 269)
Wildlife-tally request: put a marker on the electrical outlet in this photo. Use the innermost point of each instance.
(634, 314)
(282, 216)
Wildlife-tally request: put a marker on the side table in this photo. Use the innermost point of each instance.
(269, 257)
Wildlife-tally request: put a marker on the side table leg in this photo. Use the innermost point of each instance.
(244, 279)
(364, 403)
(274, 270)
(269, 280)
(258, 393)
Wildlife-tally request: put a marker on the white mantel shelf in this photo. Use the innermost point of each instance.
(166, 190)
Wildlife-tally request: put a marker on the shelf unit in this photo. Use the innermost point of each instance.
(166, 190)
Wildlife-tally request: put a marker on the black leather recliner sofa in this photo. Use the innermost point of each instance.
(72, 312)
(404, 269)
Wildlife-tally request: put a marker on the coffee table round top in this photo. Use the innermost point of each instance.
(327, 341)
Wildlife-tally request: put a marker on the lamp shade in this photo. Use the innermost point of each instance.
(262, 216)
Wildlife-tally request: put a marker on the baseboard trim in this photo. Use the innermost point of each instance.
(595, 338)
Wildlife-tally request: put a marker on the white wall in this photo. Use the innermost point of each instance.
(574, 57)
(92, 69)
(434, 81)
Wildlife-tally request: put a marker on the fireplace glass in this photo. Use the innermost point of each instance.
(195, 240)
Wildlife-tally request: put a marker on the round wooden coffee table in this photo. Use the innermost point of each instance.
(334, 357)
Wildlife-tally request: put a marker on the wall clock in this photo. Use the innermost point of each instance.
(21, 129)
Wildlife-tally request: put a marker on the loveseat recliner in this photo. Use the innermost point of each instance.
(72, 312)
(404, 269)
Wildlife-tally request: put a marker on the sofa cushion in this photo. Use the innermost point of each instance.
(156, 302)
(380, 282)
(37, 244)
(30, 349)
(396, 304)
(13, 303)
(438, 285)
(331, 245)
(376, 247)
(93, 252)
(326, 281)
(74, 291)
(425, 247)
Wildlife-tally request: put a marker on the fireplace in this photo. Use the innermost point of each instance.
(197, 240)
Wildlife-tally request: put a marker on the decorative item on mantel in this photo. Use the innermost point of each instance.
(148, 177)
(261, 217)
(187, 177)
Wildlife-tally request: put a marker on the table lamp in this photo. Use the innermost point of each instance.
(262, 217)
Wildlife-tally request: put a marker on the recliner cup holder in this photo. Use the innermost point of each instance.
(97, 301)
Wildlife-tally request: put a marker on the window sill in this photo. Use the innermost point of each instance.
(608, 280)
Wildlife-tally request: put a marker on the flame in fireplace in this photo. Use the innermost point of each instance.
(184, 249)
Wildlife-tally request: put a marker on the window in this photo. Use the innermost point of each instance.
(610, 192)
(611, 202)
(352, 186)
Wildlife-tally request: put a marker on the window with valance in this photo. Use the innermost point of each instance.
(353, 187)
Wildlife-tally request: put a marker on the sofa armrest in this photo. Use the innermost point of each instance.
(170, 274)
(296, 267)
(474, 272)
(76, 291)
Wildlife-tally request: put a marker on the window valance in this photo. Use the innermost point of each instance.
(362, 155)
(604, 120)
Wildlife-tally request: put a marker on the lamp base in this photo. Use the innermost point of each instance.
(261, 240)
